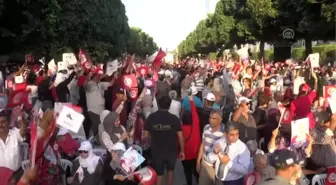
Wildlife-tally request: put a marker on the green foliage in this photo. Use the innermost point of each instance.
(41, 27)
(268, 55)
(247, 21)
(140, 43)
(327, 53)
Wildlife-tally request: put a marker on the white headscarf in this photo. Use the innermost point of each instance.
(91, 162)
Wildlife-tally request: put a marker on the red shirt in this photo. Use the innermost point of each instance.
(191, 135)
(20, 86)
(301, 108)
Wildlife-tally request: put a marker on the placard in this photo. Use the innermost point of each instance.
(300, 132)
(69, 58)
(18, 79)
(52, 66)
(111, 67)
(314, 60)
(70, 119)
(61, 65)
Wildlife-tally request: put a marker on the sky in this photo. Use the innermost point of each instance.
(167, 21)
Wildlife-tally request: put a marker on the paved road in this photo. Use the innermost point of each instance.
(179, 178)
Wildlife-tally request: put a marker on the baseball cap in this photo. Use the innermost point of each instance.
(85, 146)
(272, 80)
(243, 99)
(284, 158)
(210, 97)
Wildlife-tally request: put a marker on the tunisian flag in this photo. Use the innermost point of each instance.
(156, 58)
(331, 176)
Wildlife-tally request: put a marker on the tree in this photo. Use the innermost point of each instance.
(51, 27)
(140, 43)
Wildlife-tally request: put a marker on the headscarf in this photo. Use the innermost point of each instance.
(91, 162)
(108, 119)
(120, 149)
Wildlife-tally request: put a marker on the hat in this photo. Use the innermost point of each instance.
(322, 117)
(284, 158)
(119, 146)
(210, 97)
(272, 80)
(193, 90)
(243, 99)
(85, 146)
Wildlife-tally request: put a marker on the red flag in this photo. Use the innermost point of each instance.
(328, 90)
(156, 58)
(236, 69)
(133, 93)
(130, 81)
(83, 57)
(331, 176)
(18, 98)
(143, 70)
(146, 176)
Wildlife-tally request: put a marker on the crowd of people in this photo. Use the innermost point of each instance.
(225, 122)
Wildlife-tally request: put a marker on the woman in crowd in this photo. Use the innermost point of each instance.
(191, 133)
(87, 168)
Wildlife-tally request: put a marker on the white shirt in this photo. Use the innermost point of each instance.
(175, 108)
(239, 162)
(10, 156)
(33, 90)
(95, 96)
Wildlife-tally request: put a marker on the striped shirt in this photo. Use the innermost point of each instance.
(209, 138)
(199, 83)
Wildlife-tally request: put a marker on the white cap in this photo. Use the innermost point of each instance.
(168, 73)
(210, 97)
(85, 146)
(273, 80)
(119, 146)
(243, 99)
(193, 90)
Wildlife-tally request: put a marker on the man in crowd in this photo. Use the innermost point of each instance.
(287, 167)
(211, 134)
(231, 157)
(163, 129)
(10, 142)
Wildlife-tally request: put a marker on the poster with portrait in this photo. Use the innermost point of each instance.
(131, 160)
(300, 132)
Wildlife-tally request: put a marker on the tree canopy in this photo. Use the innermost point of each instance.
(52, 27)
(248, 21)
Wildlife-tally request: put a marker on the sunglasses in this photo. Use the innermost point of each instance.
(82, 151)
